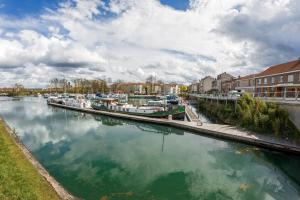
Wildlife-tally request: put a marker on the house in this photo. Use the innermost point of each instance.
(246, 83)
(129, 88)
(157, 88)
(223, 83)
(281, 80)
(206, 84)
(228, 85)
(193, 88)
(172, 88)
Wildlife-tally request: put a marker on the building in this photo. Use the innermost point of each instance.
(171, 89)
(156, 88)
(206, 84)
(193, 88)
(246, 83)
(281, 80)
(228, 85)
(129, 88)
(223, 83)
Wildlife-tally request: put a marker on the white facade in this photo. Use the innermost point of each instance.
(171, 89)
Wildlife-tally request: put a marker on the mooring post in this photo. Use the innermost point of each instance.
(235, 105)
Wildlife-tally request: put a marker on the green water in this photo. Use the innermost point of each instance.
(97, 157)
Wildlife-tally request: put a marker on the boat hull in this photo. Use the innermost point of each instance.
(177, 113)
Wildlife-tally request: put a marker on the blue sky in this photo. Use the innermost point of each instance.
(175, 40)
(21, 8)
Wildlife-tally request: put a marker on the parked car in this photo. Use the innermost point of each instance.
(234, 93)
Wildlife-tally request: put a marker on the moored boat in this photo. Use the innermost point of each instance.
(112, 105)
(78, 101)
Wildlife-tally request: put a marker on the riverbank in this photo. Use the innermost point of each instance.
(21, 175)
(214, 130)
(252, 114)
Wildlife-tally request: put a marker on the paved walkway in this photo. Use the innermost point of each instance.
(192, 116)
(215, 130)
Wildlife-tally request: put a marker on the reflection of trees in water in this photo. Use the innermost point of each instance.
(289, 164)
(145, 127)
(258, 172)
(150, 128)
(108, 121)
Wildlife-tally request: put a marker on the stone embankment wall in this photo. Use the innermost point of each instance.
(294, 113)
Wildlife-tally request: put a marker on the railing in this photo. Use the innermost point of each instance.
(287, 96)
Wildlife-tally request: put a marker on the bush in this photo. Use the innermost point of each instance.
(253, 114)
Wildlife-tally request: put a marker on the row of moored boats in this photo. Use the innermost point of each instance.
(164, 107)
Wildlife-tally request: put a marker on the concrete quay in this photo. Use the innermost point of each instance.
(215, 130)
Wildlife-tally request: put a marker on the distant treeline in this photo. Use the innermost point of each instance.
(56, 85)
(82, 86)
(85, 86)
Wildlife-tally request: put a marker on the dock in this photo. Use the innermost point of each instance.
(226, 132)
(191, 116)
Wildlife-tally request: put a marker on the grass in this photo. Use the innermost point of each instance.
(19, 179)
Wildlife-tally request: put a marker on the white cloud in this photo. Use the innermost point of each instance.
(132, 39)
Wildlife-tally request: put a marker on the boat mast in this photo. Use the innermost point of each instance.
(163, 143)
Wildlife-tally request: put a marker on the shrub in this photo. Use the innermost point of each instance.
(251, 113)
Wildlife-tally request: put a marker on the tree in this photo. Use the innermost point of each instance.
(183, 88)
(19, 89)
(151, 79)
(54, 83)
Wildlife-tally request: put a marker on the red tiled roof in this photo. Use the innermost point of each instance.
(281, 68)
(248, 77)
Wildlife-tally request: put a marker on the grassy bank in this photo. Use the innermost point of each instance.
(18, 178)
(252, 114)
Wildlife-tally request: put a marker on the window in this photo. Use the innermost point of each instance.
(259, 81)
(273, 79)
(265, 80)
(290, 78)
(281, 79)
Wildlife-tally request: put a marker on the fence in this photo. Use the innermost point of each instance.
(286, 96)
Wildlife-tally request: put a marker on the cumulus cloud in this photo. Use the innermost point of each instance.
(272, 26)
(131, 39)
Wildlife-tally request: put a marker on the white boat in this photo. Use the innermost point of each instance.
(79, 102)
(111, 104)
(38, 95)
(55, 99)
(157, 103)
(91, 96)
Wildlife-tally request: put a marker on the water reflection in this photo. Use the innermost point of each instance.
(98, 157)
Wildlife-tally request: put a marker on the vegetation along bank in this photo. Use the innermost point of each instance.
(252, 114)
(19, 179)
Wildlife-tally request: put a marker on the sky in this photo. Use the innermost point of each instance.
(174, 40)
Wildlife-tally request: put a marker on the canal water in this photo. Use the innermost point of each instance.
(103, 158)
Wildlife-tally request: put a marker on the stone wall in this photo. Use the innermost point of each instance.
(294, 113)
